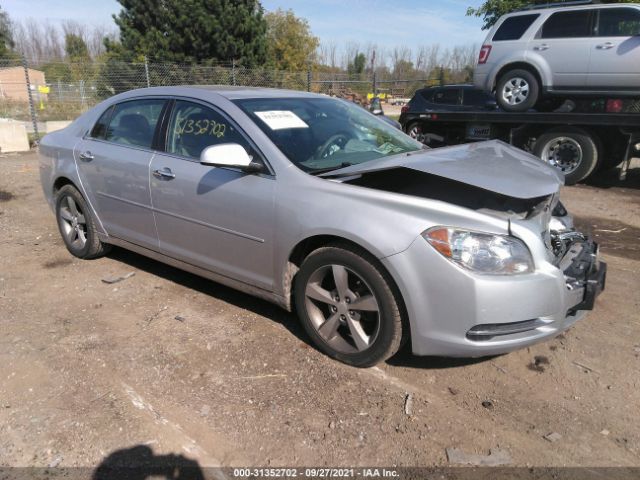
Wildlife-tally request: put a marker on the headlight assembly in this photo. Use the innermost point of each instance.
(481, 252)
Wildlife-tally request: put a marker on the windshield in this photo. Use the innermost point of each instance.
(323, 134)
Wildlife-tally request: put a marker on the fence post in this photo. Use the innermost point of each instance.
(83, 102)
(32, 110)
(375, 86)
(309, 78)
(146, 71)
(233, 72)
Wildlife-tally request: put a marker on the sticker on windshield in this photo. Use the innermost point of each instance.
(281, 119)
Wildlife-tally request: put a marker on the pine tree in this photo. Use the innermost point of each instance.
(184, 31)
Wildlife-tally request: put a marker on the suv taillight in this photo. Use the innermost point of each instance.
(404, 109)
(484, 54)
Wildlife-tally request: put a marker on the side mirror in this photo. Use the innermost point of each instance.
(229, 155)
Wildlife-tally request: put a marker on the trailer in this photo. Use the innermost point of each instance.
(578, 144)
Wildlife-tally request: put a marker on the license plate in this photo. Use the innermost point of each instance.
(478, 132)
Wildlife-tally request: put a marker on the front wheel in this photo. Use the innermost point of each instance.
(517, 91)
(347, 306)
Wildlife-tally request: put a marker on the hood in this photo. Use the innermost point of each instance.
(493, 165)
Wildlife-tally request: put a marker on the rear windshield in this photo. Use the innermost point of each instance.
(514, 27)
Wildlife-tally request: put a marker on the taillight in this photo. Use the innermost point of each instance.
(484, 54)
(404, 109)
(614, 106)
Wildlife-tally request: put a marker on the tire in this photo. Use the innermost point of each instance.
(414, 130)
(573, 151)
(517, 91)
(337, 327)
(77, 226)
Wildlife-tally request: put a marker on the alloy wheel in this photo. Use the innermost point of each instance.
(343, 308)
(515, 91)
(73, 223)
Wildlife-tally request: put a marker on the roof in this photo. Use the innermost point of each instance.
(227, 91)
(555, 7)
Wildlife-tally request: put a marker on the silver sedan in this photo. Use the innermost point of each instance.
(318, 206)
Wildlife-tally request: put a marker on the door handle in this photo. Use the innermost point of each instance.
(605, 46)
(165, 173)
(86, 156)
(541, 47)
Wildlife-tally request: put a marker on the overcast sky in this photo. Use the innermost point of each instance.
(385, 22)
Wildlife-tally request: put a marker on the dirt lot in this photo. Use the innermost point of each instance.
(185, 366)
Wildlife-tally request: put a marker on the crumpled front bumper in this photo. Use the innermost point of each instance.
(446, 302)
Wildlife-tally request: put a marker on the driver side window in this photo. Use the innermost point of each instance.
(194, 127)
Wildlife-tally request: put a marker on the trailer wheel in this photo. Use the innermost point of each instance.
(573, 151)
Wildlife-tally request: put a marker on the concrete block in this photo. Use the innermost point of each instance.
(13, 137)
(52, 126)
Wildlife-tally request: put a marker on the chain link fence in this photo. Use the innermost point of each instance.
(36, 93)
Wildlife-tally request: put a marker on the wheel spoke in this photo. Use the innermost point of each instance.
(367, 303)
(81, 219)
(72, 206)
(316, 292)
(329, 328)
(66, 214)
(360, 338)
(341, 278)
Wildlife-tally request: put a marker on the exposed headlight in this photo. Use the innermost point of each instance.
(481, 252)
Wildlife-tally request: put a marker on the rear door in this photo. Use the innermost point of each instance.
(220, 219)
(113, 163)
(615, 50)
(563, 44)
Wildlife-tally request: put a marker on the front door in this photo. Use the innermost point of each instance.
(615, 50)
(219, 219)
(113, 163)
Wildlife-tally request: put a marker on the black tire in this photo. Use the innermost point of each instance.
(362, 266)
(588, 159)
(414, 130)
(533, 90)
(92, 247)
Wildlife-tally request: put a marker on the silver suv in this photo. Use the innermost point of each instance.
(568, 51)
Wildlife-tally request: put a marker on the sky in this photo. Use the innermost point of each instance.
(387, 23)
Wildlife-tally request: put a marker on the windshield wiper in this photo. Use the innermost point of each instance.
(320, 171)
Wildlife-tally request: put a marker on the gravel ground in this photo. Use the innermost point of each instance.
(176, 364)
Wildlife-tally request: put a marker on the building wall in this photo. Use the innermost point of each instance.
(13, 84)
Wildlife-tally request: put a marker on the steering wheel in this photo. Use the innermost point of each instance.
(338, 140)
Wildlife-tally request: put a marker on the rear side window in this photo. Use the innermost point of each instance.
(514, 27)
(476, 97)
(568, 25)
(426, 95)
(619, 22)
(449, 96)
(134, 122)
(99, 130)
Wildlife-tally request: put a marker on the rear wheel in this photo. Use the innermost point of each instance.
(414, 130)
(570, 150)
(77, 226)
(517, 90)
(347, 306)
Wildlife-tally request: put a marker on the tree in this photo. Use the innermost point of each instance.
(492, 10)
(359, 62)
(6, 36)
(76, 48)
(291, 45)
(191, 31)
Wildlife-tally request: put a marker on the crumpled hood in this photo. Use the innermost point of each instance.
(492, 165)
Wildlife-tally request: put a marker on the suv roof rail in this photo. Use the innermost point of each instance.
(571, 3)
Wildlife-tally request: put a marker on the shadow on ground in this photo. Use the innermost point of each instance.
(140, 463)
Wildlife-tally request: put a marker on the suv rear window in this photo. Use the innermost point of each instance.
(619, 22)
(447, 96)
(514, 27)
(568, 25)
